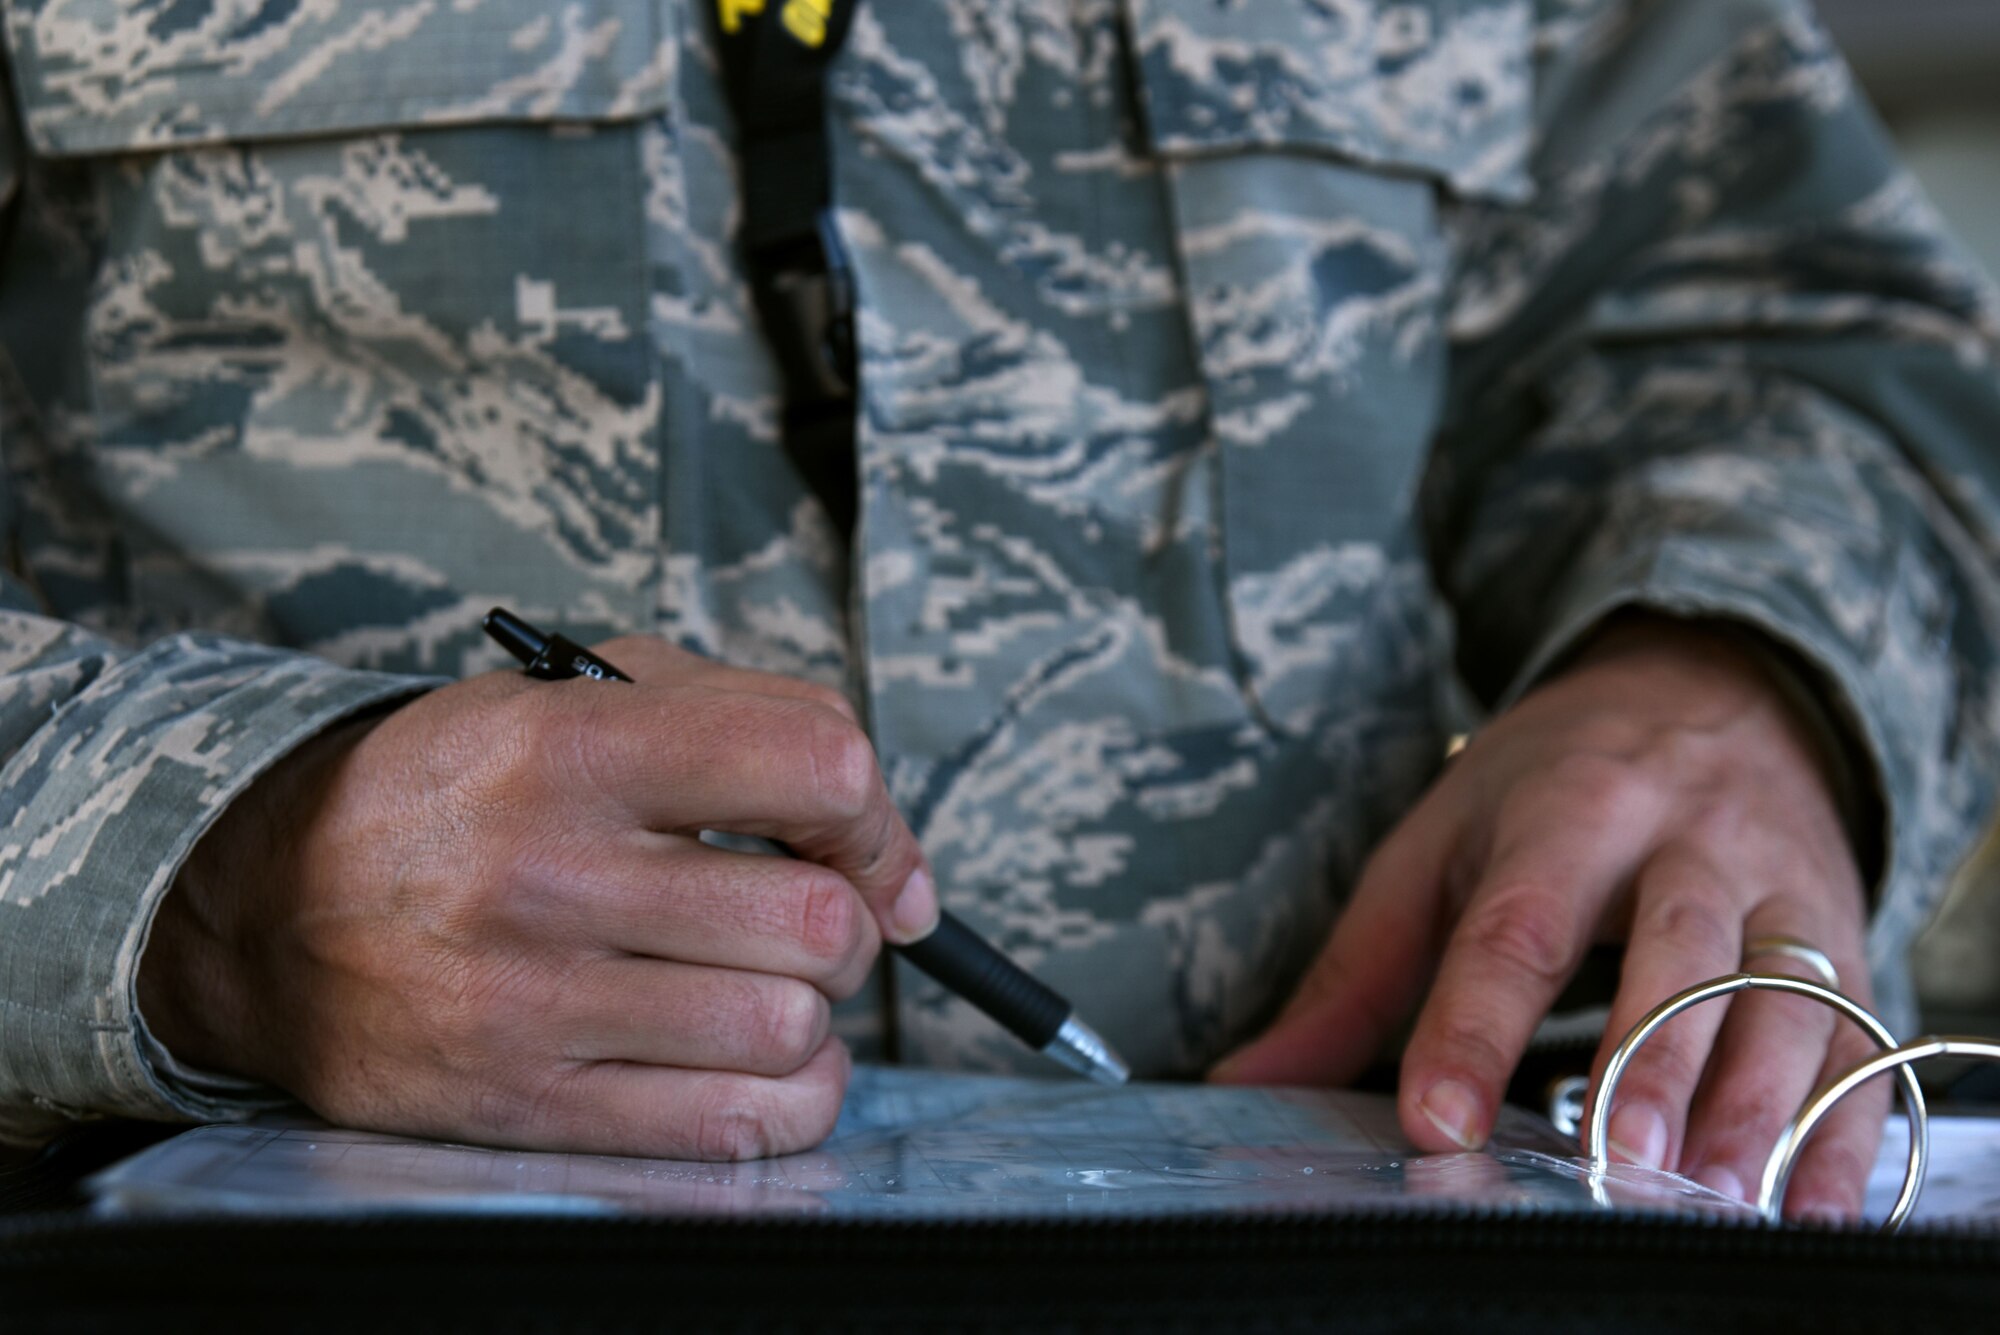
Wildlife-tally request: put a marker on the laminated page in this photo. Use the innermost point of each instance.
(1963, 1184)
(932, 1146)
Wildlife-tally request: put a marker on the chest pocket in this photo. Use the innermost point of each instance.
(1312, 149)
(347, 305)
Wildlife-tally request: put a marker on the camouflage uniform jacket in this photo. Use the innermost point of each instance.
(1222, 362)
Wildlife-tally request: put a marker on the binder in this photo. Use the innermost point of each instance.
(1538, 1252)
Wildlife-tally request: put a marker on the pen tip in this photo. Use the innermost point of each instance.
(1079, 1047)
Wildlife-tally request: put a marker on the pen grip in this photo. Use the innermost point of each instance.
(962, 960)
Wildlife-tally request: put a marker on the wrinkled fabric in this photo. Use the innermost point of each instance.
(1237, 379)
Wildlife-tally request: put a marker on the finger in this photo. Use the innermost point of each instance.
(677, 899)
(1558, 858)
(1372, 969)
(1686, 929)
(668, 1113)
(688, 758)
(1772, 1052)
(660, 1013)
(650, 659)
(1831, 1179)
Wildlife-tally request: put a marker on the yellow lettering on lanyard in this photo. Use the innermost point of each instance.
(732, 12)
(807, 19)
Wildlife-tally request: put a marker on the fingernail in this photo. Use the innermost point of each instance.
(1717, 1178)
(1639, 1135)
(915, 911)
(1825, 1216)
(1456, 1111)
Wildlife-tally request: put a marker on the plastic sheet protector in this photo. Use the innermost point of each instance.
(924, 1145)
(1964, 1181)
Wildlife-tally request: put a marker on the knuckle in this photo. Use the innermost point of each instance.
(791, 1020)
(829, 918)
(494, 757)
(1694, 927)
(840, 764)
(776, 1023)
(561, 732)
(1527, 930)
(1603, 792)
(540, 719)
(730, 1124)
(556, 865)
(1724, 822)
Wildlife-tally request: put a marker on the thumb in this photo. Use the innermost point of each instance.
(1369, 976)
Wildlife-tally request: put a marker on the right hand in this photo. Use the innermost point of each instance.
(487, 915)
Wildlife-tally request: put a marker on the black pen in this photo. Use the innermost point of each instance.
(953, 953)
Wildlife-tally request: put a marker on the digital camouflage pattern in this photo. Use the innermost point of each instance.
(328, 324)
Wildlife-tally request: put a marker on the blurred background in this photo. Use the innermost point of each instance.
(1933, 69)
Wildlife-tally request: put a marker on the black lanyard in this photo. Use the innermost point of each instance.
(775, 55)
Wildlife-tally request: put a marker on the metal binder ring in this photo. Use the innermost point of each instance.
(1778, 1172)
(1792, 948)
(1768, 1198)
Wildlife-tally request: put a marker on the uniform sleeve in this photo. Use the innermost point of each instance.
(116, 762)
(113, 761)
(1726, 364)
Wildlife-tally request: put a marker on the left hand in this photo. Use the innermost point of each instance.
(1660, 791)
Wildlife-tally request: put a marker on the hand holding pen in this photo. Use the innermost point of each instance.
(945, 948)
(485, 914)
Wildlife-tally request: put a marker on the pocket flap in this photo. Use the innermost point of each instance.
(1441, 87)
(98, 76)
